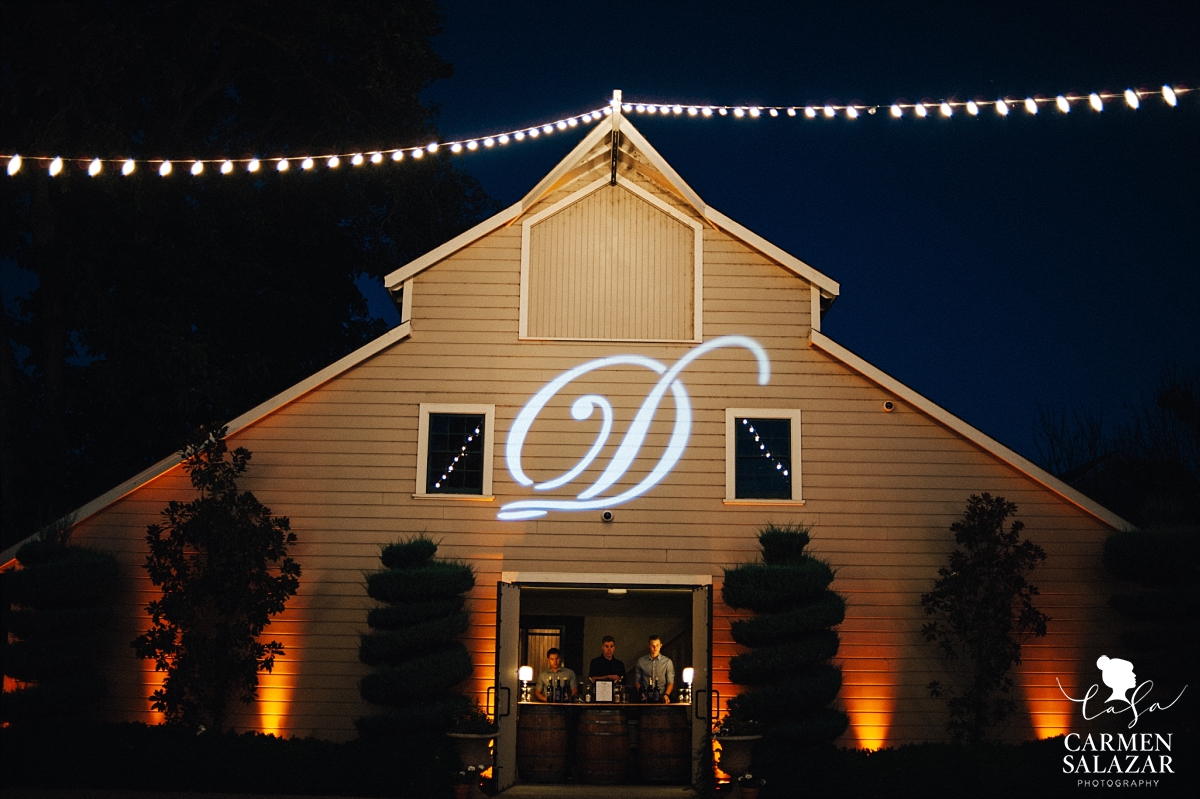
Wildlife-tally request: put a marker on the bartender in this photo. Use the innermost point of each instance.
(557, 671)
(605, 666)
(657, 668)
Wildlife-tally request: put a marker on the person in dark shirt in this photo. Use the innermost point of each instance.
(606, 666)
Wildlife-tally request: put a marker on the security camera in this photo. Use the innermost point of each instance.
(889, 406)
(606, 516)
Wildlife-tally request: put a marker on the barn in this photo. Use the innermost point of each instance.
(596, 398)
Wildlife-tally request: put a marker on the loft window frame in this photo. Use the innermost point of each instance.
(427, 409)
(732, 415)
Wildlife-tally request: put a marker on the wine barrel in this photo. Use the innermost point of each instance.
(602, 746)
(665, 745)
(542, 743)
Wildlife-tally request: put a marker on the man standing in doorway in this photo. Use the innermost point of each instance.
(606, 666)
(557, 674)
(655, 673)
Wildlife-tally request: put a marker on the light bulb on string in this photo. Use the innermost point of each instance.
(253, 165)
(1169, 95)
(791, 112)
(897, 111)
(333, 162)
(456, 148)
(357, 159)
(739, 113)
(1031, 105)
(723, 111)
(547, 129)
(534, 133)
(921, 110)
(502, 138)
(774, 112)
(1062, 104)
(707, 111)
(489, 142)
(226, 167)
(281, 165)
(519, 135)
(128, 167)
(851, 112)
(418, 153)
(946, 110)
(197, 167)
(1095, 101)
(810, 112)
(755, 112)
(56, 166)
(572, 122)
(1002, 108)
(472, 145)
(14, 165)
(1131, 98)
(94, 167)
(164, 169)
(972, 108)
(829, 112)
(376, 158)
(306, 164)
(398, 155)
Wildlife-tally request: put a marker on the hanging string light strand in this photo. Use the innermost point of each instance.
(946, 108)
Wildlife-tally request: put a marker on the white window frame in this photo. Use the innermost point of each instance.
(731, 417)
(489, 445)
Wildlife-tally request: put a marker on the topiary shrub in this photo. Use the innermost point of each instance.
(57, 608)
(414, 645)
(789, 681)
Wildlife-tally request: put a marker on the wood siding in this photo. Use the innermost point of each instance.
(881, 490)
(611, 266)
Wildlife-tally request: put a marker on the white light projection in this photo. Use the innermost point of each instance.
(631, 445)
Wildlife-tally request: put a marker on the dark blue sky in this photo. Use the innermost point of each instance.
(991, 264)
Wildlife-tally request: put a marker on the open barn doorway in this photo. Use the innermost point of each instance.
(601, 742)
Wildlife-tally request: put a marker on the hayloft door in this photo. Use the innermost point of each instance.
(702, 663)
(508, 690)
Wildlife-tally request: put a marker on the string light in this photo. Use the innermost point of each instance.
(779, 465)
(1096, 100)
(460, 456)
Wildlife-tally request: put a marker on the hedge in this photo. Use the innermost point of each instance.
(417, 679)
(397, 617)
(781, 702)
(766, 664)
(763, 588)
(435, 580)
(380, 648)
(827, 610)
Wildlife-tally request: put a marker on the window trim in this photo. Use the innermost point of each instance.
(489, 445)
(731, 417)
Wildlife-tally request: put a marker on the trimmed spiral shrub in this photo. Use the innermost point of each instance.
(57, 610)
(413, 643)
(789, 681)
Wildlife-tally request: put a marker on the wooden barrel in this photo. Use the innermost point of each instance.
(542, 743)
(602, 746)
(665, 745)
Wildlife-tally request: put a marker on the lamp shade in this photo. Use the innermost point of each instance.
(688, 675)
(525, 674)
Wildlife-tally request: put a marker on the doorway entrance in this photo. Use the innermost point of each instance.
(572, 613)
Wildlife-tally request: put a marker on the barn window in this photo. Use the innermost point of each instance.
(454, 451)
(762, 455)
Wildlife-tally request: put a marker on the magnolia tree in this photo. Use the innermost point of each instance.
(983, 610)
(222, 563)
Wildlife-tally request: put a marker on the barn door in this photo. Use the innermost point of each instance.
(508, 659)
(702, 663)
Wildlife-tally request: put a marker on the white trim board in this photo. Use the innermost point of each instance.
(975, 436)
(248, 418)
(603, 579)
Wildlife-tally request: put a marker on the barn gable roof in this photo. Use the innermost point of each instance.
(586, 156)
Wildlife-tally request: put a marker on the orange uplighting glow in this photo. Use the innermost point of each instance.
(869, 694)
(274, 699)
(1050, 713)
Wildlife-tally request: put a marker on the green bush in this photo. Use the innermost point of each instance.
(397, 617)
(391, 646)
(414, 644)
(435, 580)
(765, 664)
(827, 610)
(785, 700)
(764, 588)
(783, 545)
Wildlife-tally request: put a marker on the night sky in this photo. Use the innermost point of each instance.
(992, 264)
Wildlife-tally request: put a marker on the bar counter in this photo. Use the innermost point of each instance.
(604, 743)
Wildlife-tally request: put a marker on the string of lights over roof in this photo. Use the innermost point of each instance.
(1063, 103)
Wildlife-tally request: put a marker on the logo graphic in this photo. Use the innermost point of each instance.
(590, 498)
(1118, 675)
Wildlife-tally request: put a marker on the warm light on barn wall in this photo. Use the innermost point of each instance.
(947, 106)
(630, 447)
